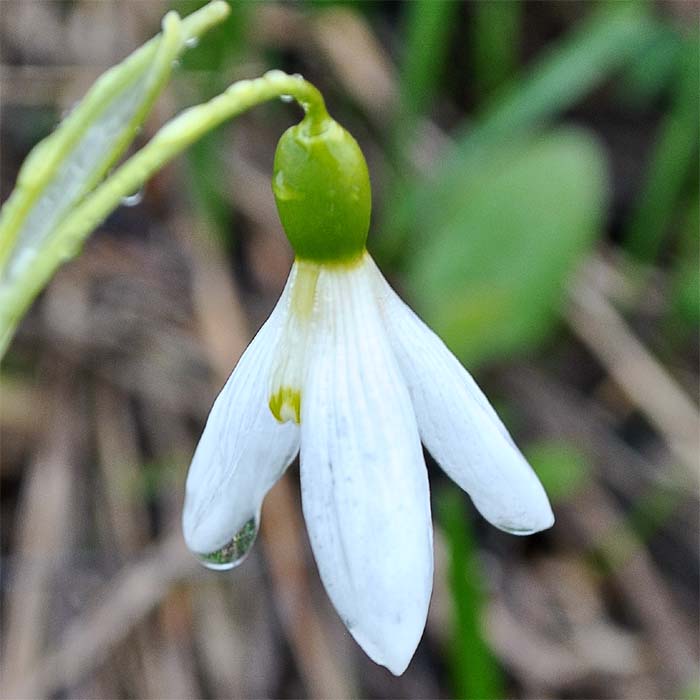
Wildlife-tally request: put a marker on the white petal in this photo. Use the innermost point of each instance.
(364, 483)
(288, 369)
(243, 450)
(459, 426)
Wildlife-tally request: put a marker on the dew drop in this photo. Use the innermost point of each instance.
(517, 530)
(233, 552)
(286, 98)
(131, 200)
(282, 190)
(191, 42)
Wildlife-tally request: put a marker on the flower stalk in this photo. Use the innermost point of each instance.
(62, 190)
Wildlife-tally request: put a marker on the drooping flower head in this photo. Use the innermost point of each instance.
(346, 375)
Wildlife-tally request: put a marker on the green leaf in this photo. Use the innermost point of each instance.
(651, 74)
(474, 672)
(73, 159)
(609, 39)
(491, 277)
(173, 138)
(428, 26)
(495, 41)
(216, 57)
(63, 167)
(685, 277)
(673, 162)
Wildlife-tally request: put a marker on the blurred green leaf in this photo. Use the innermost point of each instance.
(473, 669)
(427, 35)
(216, 58)
(612, 37)
(608, 39)
(650, 75)
(495, 41)
(219, 53)
(685, 282)
(673, 160)
(561, 468)
(66, 165)
(490, 279)
(64, 173)
(205, 173)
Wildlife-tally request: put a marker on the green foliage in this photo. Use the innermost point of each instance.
(607, 40)
(218, 55)
(673, 160)
(62, 173)
(650, 75)
(473, 669)
(428, 26)
(561, 468)
(612, 37)
(495, 41)
(216, 59)
(205, 175)
(490, 237)
(685, 281)
(62, 168)
(490, 278)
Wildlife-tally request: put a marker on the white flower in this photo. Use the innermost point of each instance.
(346, 373)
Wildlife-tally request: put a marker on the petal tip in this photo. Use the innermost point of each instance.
(537, 521)
(394, 651)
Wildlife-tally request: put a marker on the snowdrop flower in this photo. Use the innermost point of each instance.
(344, 373)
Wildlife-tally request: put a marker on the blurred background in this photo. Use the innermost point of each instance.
(535, 180)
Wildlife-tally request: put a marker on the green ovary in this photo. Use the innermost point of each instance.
(285, 405)
(322, 190)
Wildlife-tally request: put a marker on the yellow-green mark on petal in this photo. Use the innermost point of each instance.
(285, 405)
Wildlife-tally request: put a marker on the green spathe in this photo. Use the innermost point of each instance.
(322, 191)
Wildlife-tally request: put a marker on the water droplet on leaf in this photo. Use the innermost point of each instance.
(131, 200)
(233, 552)
(286, 98)
(191, 42)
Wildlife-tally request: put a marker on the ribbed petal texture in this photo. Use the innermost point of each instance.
(243, 450)
(364, 484)
(458, 425)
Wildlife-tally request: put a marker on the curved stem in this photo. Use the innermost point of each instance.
(170, 141)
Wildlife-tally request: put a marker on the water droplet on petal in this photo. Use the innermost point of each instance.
(233, 552)
(131, 200)
(286, 98)
(191, 42)
(517, 530)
